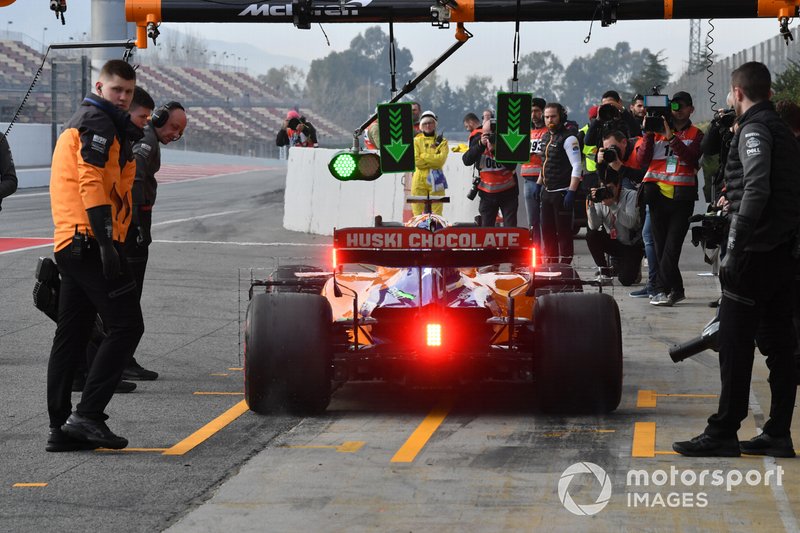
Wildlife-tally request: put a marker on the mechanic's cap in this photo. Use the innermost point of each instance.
(593, 112)
(429, 115)
(682, 97)
(538, 102)
(292, 114)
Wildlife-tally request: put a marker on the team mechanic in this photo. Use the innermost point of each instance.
(531, 170)
(560, 178)
(90, 194)
(757, 273)
(498, 181)
(8, 174)
(166, 125)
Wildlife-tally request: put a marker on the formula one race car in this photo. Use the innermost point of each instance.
(433, 305)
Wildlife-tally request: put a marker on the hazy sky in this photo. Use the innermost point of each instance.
(488, 53)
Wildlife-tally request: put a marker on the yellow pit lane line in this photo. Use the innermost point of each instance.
(28, 485)
(207, 431)
(649, 398)
(408, 451)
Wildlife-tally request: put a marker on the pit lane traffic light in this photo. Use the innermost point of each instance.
(355, 166)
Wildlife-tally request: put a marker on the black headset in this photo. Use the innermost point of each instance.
(161, 115)
(562, 113)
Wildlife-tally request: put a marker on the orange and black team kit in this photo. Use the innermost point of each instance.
(90, 192)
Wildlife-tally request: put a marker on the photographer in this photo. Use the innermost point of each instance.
(717, 141)
(613, 216)
(670, 190)
(296, 131)
(617, 148)
(637, 108)
(496, 183)
(611, 116)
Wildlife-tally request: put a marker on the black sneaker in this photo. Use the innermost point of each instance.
(92, 431)
(58, 441)
(705, 445)
(677, 296)
(136, 372)
(766, 445)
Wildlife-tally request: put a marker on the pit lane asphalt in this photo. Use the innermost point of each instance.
(492, 464)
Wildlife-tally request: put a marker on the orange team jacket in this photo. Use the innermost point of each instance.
(91, 167)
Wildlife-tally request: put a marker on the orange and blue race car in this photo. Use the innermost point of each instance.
(431, 304)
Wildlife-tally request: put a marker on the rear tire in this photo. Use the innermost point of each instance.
(578, 353)
(288, 353)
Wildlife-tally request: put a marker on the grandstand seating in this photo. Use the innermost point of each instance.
(228, 111)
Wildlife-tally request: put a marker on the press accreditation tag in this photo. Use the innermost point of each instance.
(672, 164)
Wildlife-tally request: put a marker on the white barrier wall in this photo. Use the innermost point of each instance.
(30, 144)
(30, 148)
(316, 202)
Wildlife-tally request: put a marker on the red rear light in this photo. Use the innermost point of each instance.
(333, 259)
(433, 335)
(533, 257)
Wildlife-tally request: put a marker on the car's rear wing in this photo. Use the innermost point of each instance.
(449, 247)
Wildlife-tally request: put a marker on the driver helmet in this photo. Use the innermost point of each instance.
(428, 221)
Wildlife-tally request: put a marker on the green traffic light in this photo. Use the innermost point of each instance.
(355, 166)
(343, 166)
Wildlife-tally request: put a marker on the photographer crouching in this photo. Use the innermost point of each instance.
(614, 221)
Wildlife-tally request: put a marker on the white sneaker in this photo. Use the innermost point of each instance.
(661, 299)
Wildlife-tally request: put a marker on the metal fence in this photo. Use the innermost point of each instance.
(774, 53)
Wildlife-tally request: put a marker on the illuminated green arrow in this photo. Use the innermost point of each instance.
(513, 137)
(397, 148)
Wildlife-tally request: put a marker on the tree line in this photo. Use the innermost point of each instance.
(346, 86)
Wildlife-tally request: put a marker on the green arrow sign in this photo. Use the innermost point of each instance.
(513, 127)
(397, 137)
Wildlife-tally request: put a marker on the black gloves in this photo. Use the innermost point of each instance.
(730, 269)
(143, 222)
(103, 228)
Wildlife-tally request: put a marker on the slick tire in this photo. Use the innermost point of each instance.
(288, 353)
(577, 353)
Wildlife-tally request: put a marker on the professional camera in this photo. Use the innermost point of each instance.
(473, 192)
(608, 113)
(658, 108)
(600, 194)
(712, 231)
(493, 131)
(610, 154)
(724, 118)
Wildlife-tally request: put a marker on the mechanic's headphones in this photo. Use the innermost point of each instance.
(562, 113)
(161, 115)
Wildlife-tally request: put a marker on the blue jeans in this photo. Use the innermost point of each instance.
(650, 252)
(532, 206)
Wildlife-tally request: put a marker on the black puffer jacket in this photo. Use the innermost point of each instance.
(8, 174)
(761, 177)
(556, 166)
